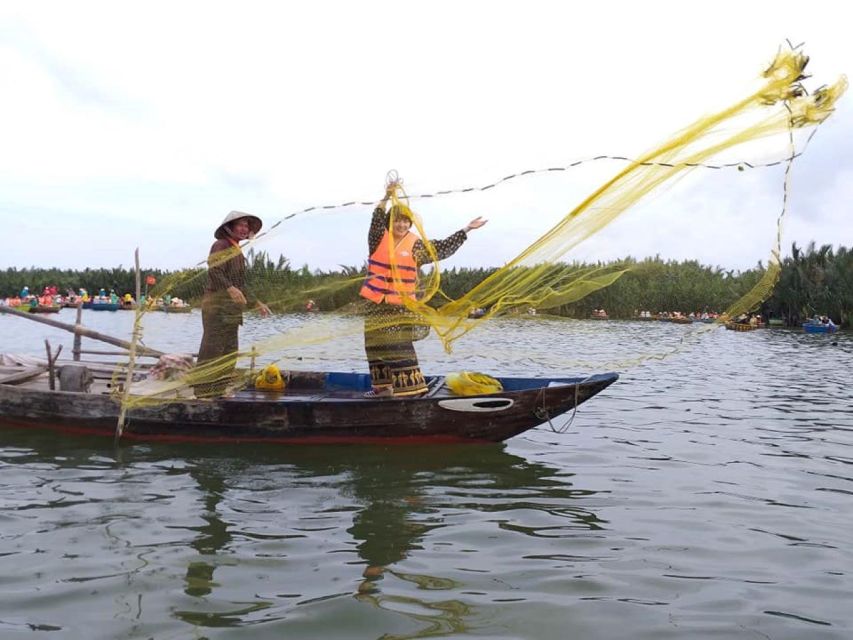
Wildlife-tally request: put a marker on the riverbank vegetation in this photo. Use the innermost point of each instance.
(813, 281)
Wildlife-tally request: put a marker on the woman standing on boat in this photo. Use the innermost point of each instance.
(390, 329)
(225, 298)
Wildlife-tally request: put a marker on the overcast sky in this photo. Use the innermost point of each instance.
(142, 124)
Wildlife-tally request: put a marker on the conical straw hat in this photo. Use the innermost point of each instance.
(255, 224)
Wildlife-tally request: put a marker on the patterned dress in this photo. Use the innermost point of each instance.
(391, 329)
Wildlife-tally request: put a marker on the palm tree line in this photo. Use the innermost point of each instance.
(813, 281)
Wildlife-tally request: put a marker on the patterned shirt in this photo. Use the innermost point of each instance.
(230, 272)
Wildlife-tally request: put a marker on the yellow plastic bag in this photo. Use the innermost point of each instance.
(469, 383)
(270, 379)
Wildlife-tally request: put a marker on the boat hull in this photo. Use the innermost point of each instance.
(819, 328)
(170, 309)
(45, 309)
(743, 326)
(335, 412)
(101, 306)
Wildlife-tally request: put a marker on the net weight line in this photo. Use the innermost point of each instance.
(739, 165)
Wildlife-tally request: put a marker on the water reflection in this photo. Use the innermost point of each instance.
(213, 535)
(382, 505)
(386, 527)
(394, 500)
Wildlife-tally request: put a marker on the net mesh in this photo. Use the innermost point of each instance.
(538, 277)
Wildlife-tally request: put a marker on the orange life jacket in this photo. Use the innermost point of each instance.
(380, 284)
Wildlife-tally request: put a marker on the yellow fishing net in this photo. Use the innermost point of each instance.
(538, 277)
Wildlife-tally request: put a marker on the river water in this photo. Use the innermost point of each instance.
(706, 494)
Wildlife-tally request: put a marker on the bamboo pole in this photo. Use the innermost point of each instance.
(138, 279)
(131, 356)
(101, 366)
(51, 365)
(77, 349)
(108, 353)
(80, 330)
(50, 373)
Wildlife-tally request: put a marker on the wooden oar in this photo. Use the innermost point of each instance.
(80, 330)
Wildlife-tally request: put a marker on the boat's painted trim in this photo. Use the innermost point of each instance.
(477, 405)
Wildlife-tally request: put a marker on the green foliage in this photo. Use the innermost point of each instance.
(12, 280)
(285, 289)
(812, 281)
(817, 281)
(656, 285)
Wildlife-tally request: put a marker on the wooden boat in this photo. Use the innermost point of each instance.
(743, 326)
(168, 308)
(44, 308)
(314, 408)
(816, 327)
(101, 306)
